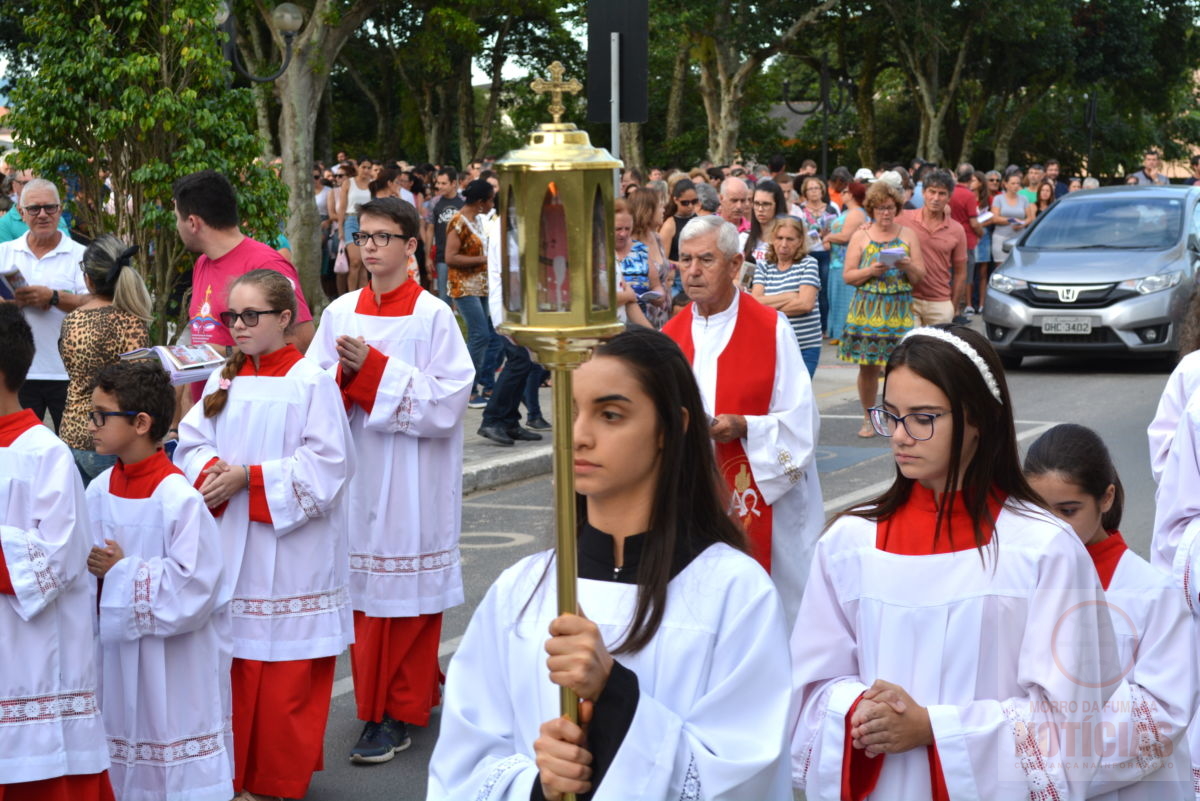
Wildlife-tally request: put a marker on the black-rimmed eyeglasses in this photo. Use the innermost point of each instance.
(48, 208)
(380, 239)
(919, 425)
(249, 316)
(98, 418)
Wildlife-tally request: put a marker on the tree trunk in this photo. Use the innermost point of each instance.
(678, 86)
(323, 145)
(975, 110)
(373, 99)
(710, 94)
(300, 88)
(632, 152)
(489, 113)
(251, 47)
(1010, 121)
(864, 104)
(465, 114)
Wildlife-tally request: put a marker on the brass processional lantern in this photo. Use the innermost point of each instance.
(559, 286)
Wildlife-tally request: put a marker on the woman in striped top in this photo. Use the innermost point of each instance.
(789, 280)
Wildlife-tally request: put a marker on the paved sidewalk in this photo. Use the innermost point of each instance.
(487, 465)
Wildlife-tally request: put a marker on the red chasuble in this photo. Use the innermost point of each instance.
(361, 387)
(745, 380)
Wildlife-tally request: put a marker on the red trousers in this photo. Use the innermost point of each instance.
(395, 665)
(88, 787)
(279, 715)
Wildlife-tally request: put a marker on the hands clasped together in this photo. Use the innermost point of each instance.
(888, 721)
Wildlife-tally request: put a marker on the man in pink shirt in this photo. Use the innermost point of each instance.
(206, 217)
(944, 249)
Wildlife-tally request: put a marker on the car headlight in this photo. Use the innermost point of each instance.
(1153, 283)
(1003, 283)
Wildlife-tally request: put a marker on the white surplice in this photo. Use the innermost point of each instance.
(1145, 742)
(166, 645)
(406, 498)
(1175, 547)
(1181, 386)
(998, 652)
(713, 711)
(290, 594)
(780, 446)
(49, 715)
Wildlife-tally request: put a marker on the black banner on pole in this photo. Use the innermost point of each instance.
(631, 19)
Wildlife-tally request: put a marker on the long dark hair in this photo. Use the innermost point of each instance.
(691, 506)
(1189, 339)
(1079, 455)
(996, 466)
(681, 186)
(781, 207)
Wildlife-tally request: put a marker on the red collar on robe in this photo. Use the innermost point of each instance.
(1106, 554)
(273, 365)
(15, 424)
(745, 382)
(139, 480)
(400, 302)
(910, 529)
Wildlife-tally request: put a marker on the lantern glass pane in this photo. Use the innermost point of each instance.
(514, 300)
(554, 281)
(600, 263)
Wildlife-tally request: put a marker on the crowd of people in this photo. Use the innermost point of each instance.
(184, 564)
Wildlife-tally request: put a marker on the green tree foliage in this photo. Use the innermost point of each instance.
(139, 87)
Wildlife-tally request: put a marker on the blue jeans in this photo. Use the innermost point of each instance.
(492, 359)
(91, 464)
(533, 404)
(811, 356)
(443, 281)
(479, 332)
(503, 408)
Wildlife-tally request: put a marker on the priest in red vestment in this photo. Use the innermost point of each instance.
(756, 389)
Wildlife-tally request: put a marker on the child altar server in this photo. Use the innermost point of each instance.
(406, 376)
(269, 450)
(52, 745)
(164, 605)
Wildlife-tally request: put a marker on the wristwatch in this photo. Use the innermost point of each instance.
(54, 297)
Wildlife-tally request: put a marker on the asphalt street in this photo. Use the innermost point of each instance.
(1117, 398)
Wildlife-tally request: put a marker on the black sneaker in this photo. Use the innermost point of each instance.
(523, 434)
(379, 742)
(538, 423)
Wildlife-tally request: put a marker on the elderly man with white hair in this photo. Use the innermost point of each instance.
(12, 225)
(48, 261)
(756, 390)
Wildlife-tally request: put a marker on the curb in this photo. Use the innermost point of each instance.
(507, 467)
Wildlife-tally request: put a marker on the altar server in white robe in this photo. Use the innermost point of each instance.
(52, 744)
(165, 640)
(679, 649)
(757, 391)
(406, 376)
(952, 639)
(1176, 545)
(1181, 386)
(270, 451)
(1143, 748)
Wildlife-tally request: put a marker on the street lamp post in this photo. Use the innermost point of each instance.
(832, 97)
(287, 18)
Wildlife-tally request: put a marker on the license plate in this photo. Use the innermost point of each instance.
(1067, 325)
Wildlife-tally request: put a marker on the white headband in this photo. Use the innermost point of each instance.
(965, 349)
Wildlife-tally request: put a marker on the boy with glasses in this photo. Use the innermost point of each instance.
(165, 632)
(406, 396)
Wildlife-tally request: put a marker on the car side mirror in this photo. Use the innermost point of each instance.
(1007, 245)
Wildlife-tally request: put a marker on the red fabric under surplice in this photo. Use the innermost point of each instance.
(87, 787)
(279, 715)
(395, 666)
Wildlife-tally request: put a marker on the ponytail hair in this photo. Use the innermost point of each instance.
(1079, 456)
(108, 264)
(280, 294)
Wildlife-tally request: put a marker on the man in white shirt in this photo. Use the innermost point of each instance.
(48, 261)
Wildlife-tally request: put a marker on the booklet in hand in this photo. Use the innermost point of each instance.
(890, 256)
(186, 363)
(10, 282)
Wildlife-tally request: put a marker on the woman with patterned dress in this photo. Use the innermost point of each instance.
(840, 232)
(881, 311)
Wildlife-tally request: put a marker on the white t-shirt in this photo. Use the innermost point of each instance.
(59, 269)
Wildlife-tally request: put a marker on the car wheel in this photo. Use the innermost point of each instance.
(1010, 362)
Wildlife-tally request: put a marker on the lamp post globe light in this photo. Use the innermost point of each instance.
(287, 19)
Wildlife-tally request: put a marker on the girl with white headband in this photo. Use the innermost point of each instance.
(952, 641)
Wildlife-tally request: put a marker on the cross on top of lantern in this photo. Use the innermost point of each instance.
(556, 218)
